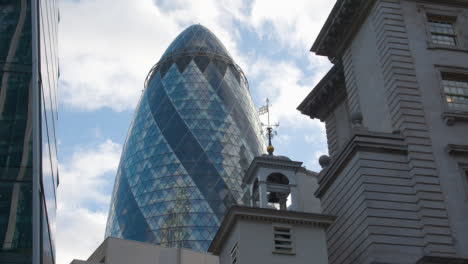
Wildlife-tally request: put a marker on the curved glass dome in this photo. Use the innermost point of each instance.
(193, 136)
(196, 38)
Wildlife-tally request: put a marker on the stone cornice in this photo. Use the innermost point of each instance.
(344, 21)
(270, 162)
(459, 3)
(361, 140)
(325, 95)
(308, 172)
(264, 215)
(441, 260)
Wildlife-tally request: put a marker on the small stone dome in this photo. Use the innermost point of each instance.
(276, 157)
(324, 161)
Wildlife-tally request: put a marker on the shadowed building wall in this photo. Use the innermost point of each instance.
(395, 107)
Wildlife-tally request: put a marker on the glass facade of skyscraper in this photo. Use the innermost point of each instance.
(28, 112)
(194, 134)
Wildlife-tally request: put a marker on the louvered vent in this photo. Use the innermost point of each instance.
(283, 239)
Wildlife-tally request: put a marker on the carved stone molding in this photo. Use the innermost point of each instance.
(345, 19)
(325, 95)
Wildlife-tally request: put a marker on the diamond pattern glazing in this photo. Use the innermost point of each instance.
(193, 136)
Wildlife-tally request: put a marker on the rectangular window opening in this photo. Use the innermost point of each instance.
(455, 88)
(464, 171)
(466, 174)
(283, 239)
(442, 30)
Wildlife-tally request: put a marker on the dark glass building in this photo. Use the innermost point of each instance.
(194, 133)
(28, 112)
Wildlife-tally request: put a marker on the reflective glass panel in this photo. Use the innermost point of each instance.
(442, 31)
(15, 132)
(193, 135)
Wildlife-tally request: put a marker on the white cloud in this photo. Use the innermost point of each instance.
(84, 172)
(107, 47)
(282, 138)
(295, 23)
(286, 86)
(80, 232)
(316, 138)
(308, 138)
(83, 200)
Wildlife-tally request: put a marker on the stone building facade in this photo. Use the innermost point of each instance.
(395, 105)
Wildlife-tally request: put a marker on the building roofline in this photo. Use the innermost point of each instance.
(344, 21)
(341, 24)
(325, 95)
(264, 215)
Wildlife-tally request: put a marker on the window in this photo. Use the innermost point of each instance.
(283, 239)
(455, 88)
(234, 254)
(442, 30)
(464, 171)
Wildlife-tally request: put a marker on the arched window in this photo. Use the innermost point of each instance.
(278, 190)
(278, 178)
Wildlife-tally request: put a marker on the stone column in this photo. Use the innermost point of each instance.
(262, 194)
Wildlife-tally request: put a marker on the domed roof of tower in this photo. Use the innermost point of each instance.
(196, 39)
(277, 157)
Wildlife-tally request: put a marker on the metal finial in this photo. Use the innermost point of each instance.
(269, 128)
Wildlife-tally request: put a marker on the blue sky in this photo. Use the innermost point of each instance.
(108, 46)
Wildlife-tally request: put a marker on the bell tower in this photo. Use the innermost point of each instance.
(279, 183)
(273, 182)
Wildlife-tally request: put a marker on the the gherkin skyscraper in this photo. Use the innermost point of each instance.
(194, 133)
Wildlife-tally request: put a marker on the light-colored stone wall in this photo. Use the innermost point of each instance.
(338, 127)
(368, 78)
(377, 211)
(427, 64)
(332, 139)
(121, 251)
(307, 202)
(397, 207)
(404, 99)
(233, 238)
(255, 240)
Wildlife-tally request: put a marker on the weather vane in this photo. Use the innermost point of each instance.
(269, 128)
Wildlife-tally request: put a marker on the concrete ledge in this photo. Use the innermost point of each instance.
(441, 260)
(361, 140)
(456, 149)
